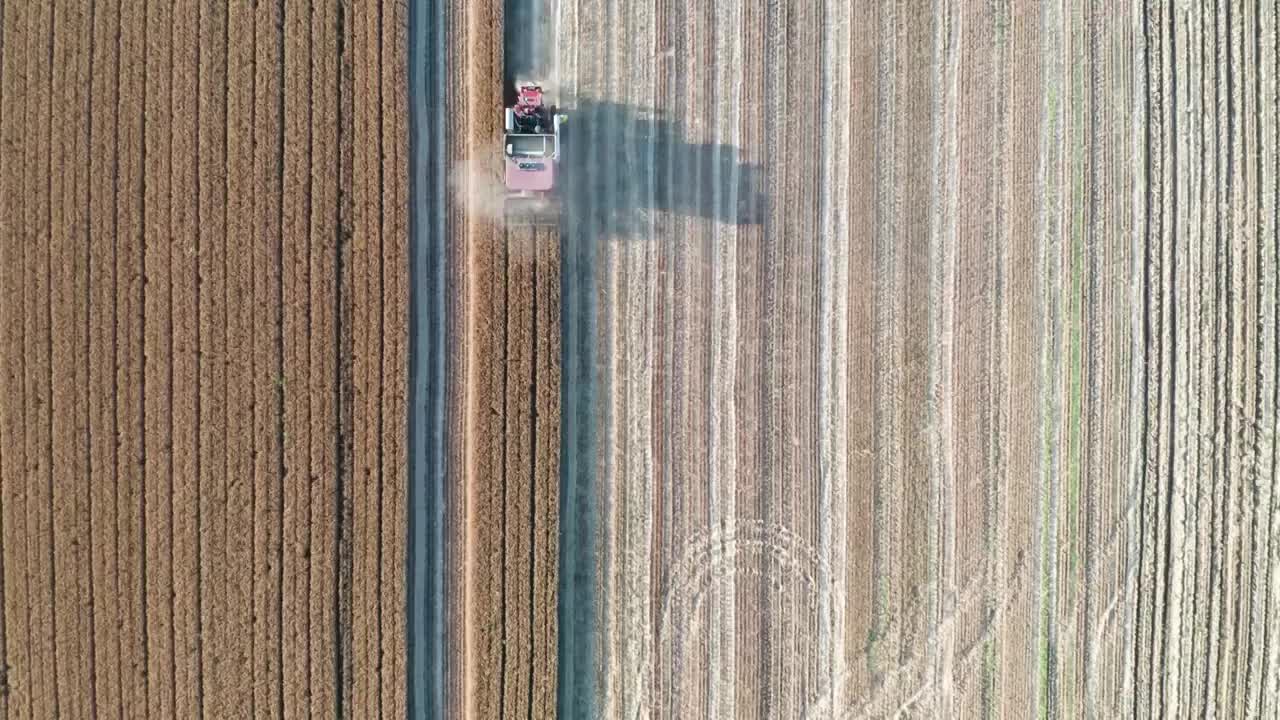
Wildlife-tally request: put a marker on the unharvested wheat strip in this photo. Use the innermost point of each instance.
(394, 411)
(36, 378)
(367, 359)
(68, 374)
(832, 330)
(158, 364)
(456, 553)
(233, 545)
(264, 431)
(486, 260)
(293, 384)
(214, 131)
(185, 247)
(862, 574)
(18, 655)
(323, 349)
(102, 328)
(517, 475)
(547, 373)
(129, 358)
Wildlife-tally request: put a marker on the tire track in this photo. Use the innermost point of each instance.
(102, 401)
(130, 386)
(218, 110)
(37, 174)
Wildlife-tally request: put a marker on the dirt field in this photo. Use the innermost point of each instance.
(917, 360)
(202, 416)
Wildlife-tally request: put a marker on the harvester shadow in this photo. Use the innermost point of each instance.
(622, 164)
(621, 169)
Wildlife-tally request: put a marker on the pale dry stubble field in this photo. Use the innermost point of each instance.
(918, 359)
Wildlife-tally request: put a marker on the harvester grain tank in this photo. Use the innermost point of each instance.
(531, 156)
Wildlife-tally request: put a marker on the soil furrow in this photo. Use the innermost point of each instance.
(37, 178)
(13, 466)
(130, 584)
(324, 387)
(68, 307)
(102, 402)
(216, 111)
(294, 383)
(238, 616)
(185, 352)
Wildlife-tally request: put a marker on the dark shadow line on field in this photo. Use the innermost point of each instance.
(614, 172)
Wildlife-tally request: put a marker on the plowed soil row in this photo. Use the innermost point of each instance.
(202, 432)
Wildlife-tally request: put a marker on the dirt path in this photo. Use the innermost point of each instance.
(177, 482)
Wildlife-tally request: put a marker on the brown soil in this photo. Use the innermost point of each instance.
(202, 469)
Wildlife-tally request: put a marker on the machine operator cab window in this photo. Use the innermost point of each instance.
(531, 146)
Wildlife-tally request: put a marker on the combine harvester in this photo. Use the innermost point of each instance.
(532, 154)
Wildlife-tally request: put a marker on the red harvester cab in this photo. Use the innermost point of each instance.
(531, 155)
